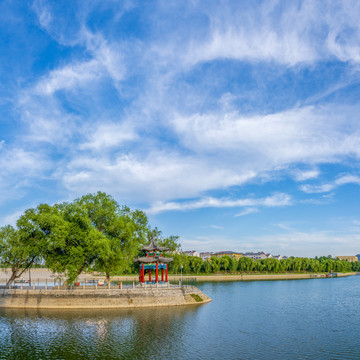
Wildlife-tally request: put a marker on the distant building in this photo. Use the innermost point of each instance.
(192, 253)
(358, 256)
(232, 254)
(347, 258)
(269, 255)
(206, 255)
(255, 256)
(277, 257)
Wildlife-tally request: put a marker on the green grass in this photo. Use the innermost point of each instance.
(196, 297)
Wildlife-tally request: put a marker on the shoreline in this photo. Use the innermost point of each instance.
(42, 274)
(102, 298)
(257, 277)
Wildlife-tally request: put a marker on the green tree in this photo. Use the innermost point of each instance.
(196, 264)
(246, 264)
(171, 242)
(225, 262)
(215, 263)
(22, 246)
(125, 230)
(128, 233)
(233, 264)
(206, 267)
(185, 262)
(75, 244)
(176, 264)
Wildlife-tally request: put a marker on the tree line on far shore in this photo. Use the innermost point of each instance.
(226, 264)
(95, 233)
(90, 233)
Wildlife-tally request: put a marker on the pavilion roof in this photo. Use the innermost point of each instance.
(153, 259)
(153, 246)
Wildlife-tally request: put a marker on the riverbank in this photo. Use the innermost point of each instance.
(259, 277)
(138, 297)
(42, 274)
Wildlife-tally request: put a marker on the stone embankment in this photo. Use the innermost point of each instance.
(105, 298)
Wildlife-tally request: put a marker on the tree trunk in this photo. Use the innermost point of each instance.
(65, 284)
(15, 271)
(12, 278)
(107, 279)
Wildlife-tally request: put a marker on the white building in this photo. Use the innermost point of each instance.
(255, 256)
(192, 253)
(277, 257)
(206, 255)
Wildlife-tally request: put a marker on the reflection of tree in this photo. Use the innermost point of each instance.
(96, 334)
(158, 330)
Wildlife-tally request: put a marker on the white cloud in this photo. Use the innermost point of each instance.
(19, 161)
(263, 44)
(295, 33)
(43, 13)
(19, 170)
(155, 176)
(108, 135)
(11, 219)
(293, 243)
(217, 227)
(342, 180)
(309, 135)
(302, 175)
(247, 211)
(309, 244)
(216, 148)
(69, 77)
(275, 200)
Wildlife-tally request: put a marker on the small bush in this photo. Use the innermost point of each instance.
(196, 297)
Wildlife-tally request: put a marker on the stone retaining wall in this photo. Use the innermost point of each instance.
(104, 299)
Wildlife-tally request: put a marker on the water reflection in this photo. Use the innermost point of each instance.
(303, 319)
(105, 334)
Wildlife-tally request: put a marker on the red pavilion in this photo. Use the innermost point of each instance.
(153, 261)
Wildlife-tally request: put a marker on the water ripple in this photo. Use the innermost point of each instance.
(303, 319)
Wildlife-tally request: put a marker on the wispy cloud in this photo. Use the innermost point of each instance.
(247, 211)
(302, 175)
(299, 33)
(69, 78)
(323, 188)
(156, 108)
(108, 135)
(279, 199)
(217, 227)
(316, 243)
(306, 134)
(156, 176)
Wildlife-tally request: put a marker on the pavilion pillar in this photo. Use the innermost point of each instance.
(140, 273)
(143, 273)
(166, 273)
(157, 272)
(150, 273)
(162, 274)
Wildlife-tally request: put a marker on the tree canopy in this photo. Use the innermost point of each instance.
(92, 232)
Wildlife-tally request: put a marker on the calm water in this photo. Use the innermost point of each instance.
(301, 319)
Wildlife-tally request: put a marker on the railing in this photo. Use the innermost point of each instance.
(90, 284)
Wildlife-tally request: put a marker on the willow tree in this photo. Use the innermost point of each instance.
(126, 230)
(126, 238)
(74, 244)
(23, 245)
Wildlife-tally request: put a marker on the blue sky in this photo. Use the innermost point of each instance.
(234, 124)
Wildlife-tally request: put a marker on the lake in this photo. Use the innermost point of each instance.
(293, 319)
